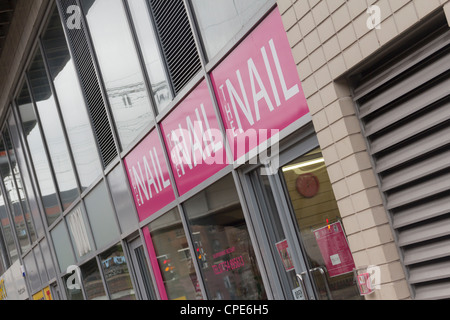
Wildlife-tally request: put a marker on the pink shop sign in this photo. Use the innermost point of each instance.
(194, 140)
(149, 178)
(258, 88)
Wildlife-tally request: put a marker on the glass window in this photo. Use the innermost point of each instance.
(175, 262)
(63, 248)
(48, 259)
(79, 232)
(120, 67)
(40, 264)
(222, 243)
(101, 216)
(32, 273)
(7, 230)
(117, 275)
(21, 196)
(73, 292)
(318, 219)
(71, 103)
(26, 179)
(53, 132)
(122, 200)
(32, 133)
(162, 93)
(13, 199)
(220, 20)
(92, 281)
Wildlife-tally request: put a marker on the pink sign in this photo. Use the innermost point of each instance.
(194, 140)
(285, 255)
(258, 87)
(334, 248)
(148, 175)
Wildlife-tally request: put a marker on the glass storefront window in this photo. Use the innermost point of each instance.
(53, 131)
(120, 67)
(21, 196)
(13, 199)
(223, 245)
(317, 217)
(7, 231)
(73, 292)
(101, 216)
(32, 271)
(23, 167)
(33, 135)
(174, 260)
(63, 248)
(40, 264)
(162, 94)
(92, 281)
(220, 20)
(117, 274)
(71, 103)
(48, 259)
(79, 232)
(123, 202)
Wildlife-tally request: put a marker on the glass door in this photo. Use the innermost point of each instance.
(142, 271)
(303, 229)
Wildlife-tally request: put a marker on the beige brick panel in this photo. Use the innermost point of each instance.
(328, 38)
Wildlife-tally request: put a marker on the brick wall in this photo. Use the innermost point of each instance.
(328, 38)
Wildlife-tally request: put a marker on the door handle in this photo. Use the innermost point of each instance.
(325, 280)
(302, 284)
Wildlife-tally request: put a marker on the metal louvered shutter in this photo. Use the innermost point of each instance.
(83, 60)
(177, 41)
(404, 109)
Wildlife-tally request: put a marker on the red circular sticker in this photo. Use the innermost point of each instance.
(307, 185)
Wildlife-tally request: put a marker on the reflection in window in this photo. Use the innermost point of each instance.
(40, 264)
(48, 259)
(22, 198)
(220, 20)
(222, 243)
(79, 233)
(12, 196)
(120, 67)
(63, 248)
(32, 133)
(32, 271)
(315, 208)
(92, 281)
(174, 258)
(71, 103)
(101, 216)
(117, 275)
(122, 199)
(73, 292)
(53, 132)
(19, 156)
(153, 62)
(7, 231)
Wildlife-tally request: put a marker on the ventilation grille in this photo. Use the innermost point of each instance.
(177, 41)
(90, 85)
(405, 111)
